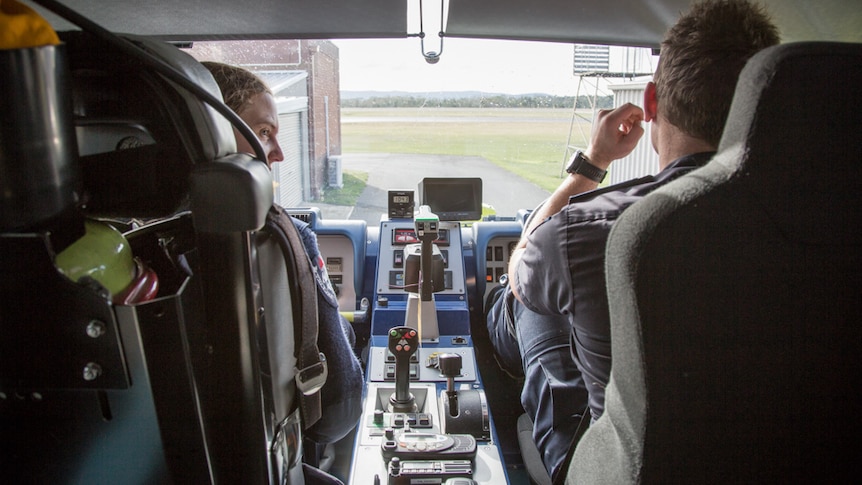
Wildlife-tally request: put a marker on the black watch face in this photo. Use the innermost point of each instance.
(575, 163)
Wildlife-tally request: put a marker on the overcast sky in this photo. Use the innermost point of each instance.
(495, 66)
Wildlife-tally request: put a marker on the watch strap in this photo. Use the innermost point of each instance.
(581, 165)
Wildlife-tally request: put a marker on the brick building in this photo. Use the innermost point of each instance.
(304, 77)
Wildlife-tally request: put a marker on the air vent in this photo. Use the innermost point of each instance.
(306, 217)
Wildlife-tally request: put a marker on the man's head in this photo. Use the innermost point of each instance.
(701, 58)
(250, 98)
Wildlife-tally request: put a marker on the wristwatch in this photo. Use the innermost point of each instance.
(581, 164)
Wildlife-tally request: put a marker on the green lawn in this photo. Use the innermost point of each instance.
(353, 184)
(529, 142)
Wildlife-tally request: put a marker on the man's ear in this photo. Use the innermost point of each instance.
(650, 102)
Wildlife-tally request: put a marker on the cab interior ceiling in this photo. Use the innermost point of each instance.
(608, 22)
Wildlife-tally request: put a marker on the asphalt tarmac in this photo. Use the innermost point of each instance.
(502, 189)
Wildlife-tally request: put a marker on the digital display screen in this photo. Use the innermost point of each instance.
(420, 437)
(453, 199)
(400, 204)
(404, 236)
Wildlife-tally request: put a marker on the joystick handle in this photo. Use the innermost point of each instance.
(403, 342)
(449, 364)
(450, 367)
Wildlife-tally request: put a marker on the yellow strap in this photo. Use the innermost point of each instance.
(22, 27)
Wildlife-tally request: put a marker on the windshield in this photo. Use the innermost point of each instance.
(360, 118)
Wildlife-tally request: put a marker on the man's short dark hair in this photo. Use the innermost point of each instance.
(701, 58)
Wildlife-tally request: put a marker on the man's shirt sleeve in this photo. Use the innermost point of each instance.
(542, 273)
(561, 270)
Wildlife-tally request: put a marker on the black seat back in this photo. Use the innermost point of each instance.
(184, 388)
(735, 294)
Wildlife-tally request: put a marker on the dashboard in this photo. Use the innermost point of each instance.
(351, 248)
(375, 271)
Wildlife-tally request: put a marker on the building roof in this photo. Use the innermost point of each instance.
(279, 81)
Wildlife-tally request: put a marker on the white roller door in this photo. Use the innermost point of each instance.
(643, 160)
(288, 173)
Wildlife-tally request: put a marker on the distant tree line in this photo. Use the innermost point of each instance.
(495, 101)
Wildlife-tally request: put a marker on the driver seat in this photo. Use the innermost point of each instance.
(735, 295)
(196, 385)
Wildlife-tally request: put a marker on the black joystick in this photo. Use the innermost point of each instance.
(450, 367)
(403, 342)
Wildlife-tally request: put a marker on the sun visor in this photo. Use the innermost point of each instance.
(232, 20)
(610, 22)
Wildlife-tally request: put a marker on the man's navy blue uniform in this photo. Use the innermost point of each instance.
(562, 330)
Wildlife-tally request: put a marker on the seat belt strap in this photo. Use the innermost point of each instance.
(311, 368)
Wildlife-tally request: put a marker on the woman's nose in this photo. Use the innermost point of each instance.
(275, 154)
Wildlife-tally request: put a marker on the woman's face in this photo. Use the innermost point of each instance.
(261, 115)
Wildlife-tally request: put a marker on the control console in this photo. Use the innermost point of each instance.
(396, 239)
(425, 417)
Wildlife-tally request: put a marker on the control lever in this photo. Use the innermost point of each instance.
(464, 411)
(403, 342)
(427, 230)
(450, 367)
(421, 311)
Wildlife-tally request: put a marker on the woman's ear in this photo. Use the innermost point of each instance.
(650, 102)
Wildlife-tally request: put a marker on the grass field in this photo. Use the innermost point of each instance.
(529, 142)
(348, 194)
